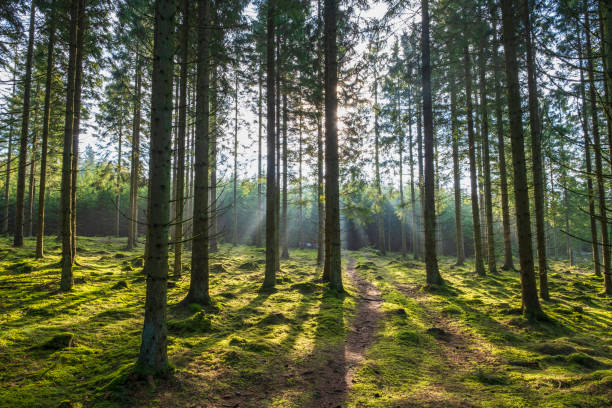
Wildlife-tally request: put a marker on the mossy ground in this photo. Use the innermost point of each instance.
(265, 349)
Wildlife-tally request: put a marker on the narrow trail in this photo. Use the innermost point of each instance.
(337, 376)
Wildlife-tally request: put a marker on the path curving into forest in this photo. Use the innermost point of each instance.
(337, 376)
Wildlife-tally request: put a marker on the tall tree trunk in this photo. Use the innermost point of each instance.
(278, 150)
(285, 239)
(258, 237)
(198, 287)
(214, 132)
(589, 169)
(456, 169)
(135, 159)
(597, 147)
(501, 151)
(531, 304)
(23, 143)
(379, 204)
(536, 149)
(333, 261)
(9, 159)
(40, 224)
(153, 357)
(77, 121)
(478, 261)
(300, 242)
(421, 180)
(235, 151)
(320, 148)
(400, 137)
(429, 209)
(320, 192)
(118, 181)
(413, 217)
(32, 181)
(486, 163)
(66, 187)
(271, 225)
(179, 206)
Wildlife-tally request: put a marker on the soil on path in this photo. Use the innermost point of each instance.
(334, 380)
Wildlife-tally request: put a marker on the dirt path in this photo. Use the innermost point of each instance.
(337, 376)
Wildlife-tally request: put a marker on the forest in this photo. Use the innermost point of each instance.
(305, 203)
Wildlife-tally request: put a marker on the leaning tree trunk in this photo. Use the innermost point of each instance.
(271, 225)
(456, 169)
(536, 150)
(478, 261)
(153, 357)
(429, 209)
(23, 143)
(333, 261)
(597, 148)
(198, 286)
(486, 164)
(40, 224)
(179, 204)
(66, 187)
(531, 304)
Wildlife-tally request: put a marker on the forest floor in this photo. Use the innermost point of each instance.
(390, 341)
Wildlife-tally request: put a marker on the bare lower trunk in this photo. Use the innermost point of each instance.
(198, 287)
(40, 225)
(333, 262)
(456, 170)
(429, 209)
(153, 357)
(23, 142)
(536, 150)
(531, 304)
(478, 261)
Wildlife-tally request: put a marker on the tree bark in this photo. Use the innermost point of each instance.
(32, 181)
(214, 132)
(429, 209)
(258, 237)
(23, 142)
(198, 287)
(179, 204)
(118, 181)
(536, 150)
(77, 121)
(333, 261)
(9, 159)
(271, 225)
(40, 224)
(456, 169)
(66, 187)
(589, 167)
(235, 151)
(135, 159)
(531, 304)
(478, 261)
(501, 151)
(597, 148)
(285, 238)
(153, 357)
(379, 203)
(486, 163)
